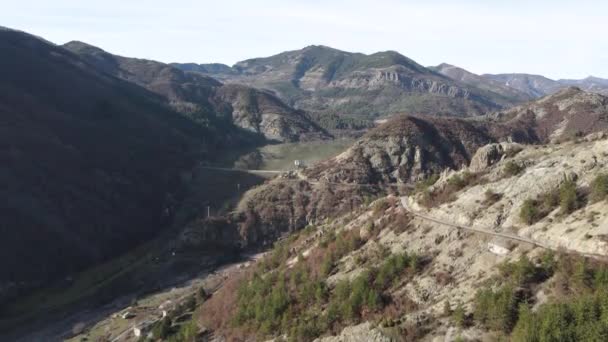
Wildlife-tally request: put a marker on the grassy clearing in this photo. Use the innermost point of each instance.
(281, 157)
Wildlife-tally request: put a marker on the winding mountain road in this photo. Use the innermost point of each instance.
(489, 232)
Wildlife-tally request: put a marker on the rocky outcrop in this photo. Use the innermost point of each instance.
(359, 333)
(406, 149)
(283, 206)
(488, 155)
(378, 78)
(261, 112)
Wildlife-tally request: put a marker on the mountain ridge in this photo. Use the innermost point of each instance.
(353, 85)
(91, 164)
(202, 97)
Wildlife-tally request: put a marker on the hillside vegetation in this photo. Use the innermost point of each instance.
(352, 88)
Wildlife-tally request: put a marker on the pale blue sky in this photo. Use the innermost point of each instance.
(558, 39)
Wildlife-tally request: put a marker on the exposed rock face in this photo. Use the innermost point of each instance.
(459, 261)
(203, 98)
(358, 333)
(406, 149)
(283, 206)
(488, 155)
(329, 81)
(546, 168)
(259, 111)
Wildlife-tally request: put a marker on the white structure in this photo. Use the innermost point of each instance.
(127, 315)
(298, 163)
(498, 248)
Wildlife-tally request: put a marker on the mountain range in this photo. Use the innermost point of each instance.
(327, 81)
(98, 150)
(521, 87)
(337, 87)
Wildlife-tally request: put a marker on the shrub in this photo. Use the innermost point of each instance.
(447, 308)
(522, 272)
(453, 185)
(190, 303)
(512, 168)
(497, 310)
(529, 212)
(162, 329)
(424, 184)
(459, 315)
(202, 295)
(533, 210)
(380, 206)
(568, 198)
(491, 197)
(599, 188)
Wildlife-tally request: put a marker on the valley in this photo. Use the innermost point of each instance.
(312, 195)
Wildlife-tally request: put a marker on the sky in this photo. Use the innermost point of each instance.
(557, 38)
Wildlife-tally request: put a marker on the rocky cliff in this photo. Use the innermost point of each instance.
(329, 81)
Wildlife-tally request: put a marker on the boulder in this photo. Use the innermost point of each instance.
(488, 155)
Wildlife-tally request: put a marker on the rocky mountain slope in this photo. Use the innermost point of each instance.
(568, 113)
(406, 148)
(483, 82)
(591, 84)
(534, 86)
(91, 164)
(203, 98)
(537, 86)
(434, 261)
(329, 81)
(384, 272)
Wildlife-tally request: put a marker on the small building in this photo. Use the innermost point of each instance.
(298, 163)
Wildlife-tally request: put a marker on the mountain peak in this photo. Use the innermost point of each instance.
(445, 65)
(78, 46)
(319, 47)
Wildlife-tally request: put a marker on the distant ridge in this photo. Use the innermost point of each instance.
(342, 86)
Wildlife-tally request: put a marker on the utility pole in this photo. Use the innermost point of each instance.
(208, 211)
(238, 187)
